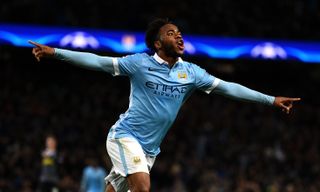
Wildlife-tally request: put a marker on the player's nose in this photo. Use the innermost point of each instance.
(178, 35)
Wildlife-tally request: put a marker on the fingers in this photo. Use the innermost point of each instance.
(39, 50)
(35, 44)
(293, 99)
(285, 108)
(286, 103)
(36, 50)
(285, 111)
(37, 53)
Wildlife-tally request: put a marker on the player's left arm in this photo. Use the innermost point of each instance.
(240, 92)
(210, 84)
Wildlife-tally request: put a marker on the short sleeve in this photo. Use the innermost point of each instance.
(203, 80)
(127, 65)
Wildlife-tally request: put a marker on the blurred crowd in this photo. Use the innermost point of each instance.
(215, 145)
(289, 19)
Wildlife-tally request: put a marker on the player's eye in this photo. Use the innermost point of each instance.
(170, 33)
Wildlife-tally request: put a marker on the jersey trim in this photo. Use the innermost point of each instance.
(116, 66)
(122, 156)
(215, 83)
(161, 61)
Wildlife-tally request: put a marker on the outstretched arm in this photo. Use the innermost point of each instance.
(239, 92)
(82, 59)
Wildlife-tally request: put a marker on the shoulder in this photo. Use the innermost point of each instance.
(136, 59)
(136, 56)
(191, 67)
(188, 64)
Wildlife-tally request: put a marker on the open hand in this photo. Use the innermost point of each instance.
(40, 50)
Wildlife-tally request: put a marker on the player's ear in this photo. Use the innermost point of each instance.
(157, 44)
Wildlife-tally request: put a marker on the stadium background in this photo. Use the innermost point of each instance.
(216, 144)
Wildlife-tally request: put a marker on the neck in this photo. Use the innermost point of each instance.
(171, 60)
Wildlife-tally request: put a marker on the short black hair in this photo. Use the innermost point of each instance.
(152, 33)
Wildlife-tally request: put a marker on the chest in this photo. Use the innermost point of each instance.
(166, 83)
(163, 75)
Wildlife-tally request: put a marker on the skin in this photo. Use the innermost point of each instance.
(51, 143)
(169, 47)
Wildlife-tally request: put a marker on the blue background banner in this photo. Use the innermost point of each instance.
(126, 42)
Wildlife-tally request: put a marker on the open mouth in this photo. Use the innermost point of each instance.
(180, 44)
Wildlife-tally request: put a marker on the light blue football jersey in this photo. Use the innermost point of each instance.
(93, 179)
(157, 93)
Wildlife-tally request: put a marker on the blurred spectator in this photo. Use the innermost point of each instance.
(49, 172)
(93, 177)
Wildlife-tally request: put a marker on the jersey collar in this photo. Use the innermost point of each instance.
(161, 61)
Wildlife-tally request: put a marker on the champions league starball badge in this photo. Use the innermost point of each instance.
(268, 50)
(79, 39)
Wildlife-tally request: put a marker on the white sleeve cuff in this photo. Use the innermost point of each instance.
(115, 66)
(215, 83)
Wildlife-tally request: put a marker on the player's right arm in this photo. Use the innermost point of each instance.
(82, 59)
